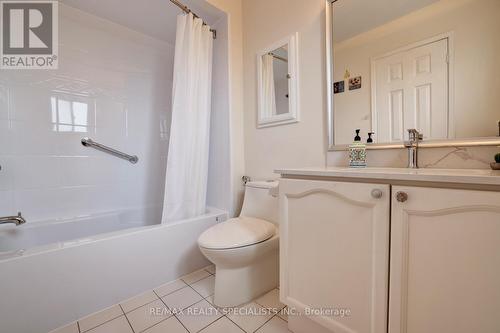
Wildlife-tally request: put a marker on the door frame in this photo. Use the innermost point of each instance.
(449, 36)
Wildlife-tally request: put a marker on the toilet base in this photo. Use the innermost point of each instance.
(238, 285)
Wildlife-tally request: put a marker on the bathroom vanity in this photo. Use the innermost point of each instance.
(391, 250)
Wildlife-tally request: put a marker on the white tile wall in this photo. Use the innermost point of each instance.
(113, 85)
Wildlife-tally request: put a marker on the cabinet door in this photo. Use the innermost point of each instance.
(445, 261)
(334, 240)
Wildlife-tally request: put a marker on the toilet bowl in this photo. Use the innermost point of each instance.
(245, 249)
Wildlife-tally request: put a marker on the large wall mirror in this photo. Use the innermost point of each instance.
(431, 65)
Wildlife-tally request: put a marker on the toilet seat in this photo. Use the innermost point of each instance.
(237, 232)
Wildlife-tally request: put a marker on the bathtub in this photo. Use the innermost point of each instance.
(94, 262)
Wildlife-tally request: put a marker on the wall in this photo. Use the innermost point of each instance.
(304, 144)
(295, 145)
(474, 25)
(219, 165)
(233, 9)
(119, 84)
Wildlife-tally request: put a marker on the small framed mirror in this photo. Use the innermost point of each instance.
(277, 74)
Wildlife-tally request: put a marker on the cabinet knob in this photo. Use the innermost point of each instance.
(377, 194)
(401, 196)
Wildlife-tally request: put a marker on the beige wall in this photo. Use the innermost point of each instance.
(293, 145)
(233, 8)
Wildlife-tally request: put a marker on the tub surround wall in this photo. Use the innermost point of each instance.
(234, 37)
(113, 85)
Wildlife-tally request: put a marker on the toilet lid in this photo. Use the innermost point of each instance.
(237, 232)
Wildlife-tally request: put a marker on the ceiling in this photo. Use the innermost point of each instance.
(156, 19)
(352, 17)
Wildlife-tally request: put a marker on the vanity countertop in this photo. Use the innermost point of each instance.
(397, 175)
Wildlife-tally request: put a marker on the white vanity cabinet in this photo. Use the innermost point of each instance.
(445, 261)
(441, 274)
(334, 252)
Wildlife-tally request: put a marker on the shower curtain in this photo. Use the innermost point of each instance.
(187, 162)
(268, 93)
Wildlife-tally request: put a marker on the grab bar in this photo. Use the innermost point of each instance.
(88, 142)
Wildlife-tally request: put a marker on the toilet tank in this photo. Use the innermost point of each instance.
(261, 201)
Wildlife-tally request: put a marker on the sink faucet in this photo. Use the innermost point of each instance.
(412, 145)
(17, 220)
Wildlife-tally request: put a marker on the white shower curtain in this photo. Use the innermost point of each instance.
(187, 163)
(268, 93)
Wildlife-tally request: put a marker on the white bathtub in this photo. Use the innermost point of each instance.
(92, 263)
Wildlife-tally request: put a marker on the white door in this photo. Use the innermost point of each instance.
(445, 261)
(410, 90)
(334, 248)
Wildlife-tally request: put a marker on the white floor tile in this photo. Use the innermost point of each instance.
(205, 287)
(271, 301)
(199, 316)
(275, 325)
(210, 269)
(250, 317)
(71, 328)
(99, 318)
(181, 299)
(171, 325)
(148, 315)
(170, 287)
(118, 325)
(195, 276)
(222, 325)
(137, 301)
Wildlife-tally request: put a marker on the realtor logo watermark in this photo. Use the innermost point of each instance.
(29, 35)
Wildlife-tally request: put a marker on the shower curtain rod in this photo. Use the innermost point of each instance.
(186, 10)
(278, 57)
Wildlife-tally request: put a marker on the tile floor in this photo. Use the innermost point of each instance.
(185, 306)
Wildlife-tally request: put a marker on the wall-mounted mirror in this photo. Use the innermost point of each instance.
(278, 83)
(431, 65)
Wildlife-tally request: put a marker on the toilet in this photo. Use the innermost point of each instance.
(245, 249)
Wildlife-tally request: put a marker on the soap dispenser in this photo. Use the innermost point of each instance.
(370, 139)
(357, 152)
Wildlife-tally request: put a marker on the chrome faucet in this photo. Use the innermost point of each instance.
(412, 145)
(17, 220)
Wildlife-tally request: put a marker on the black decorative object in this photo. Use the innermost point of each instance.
(355, 83)
(338, 87)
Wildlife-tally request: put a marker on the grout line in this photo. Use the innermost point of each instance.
(175, 316)
(241, 328)
(140, 306)
(158, 323)
(105, 322)
(216, 320)
(258, 328)
(126, 318)
(202, 298)
(198, 294)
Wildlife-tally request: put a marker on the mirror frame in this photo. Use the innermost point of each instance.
(292, 116)
(465, 142)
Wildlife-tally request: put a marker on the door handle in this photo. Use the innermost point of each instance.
(401, 196)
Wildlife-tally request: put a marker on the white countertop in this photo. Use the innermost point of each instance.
(458, 176)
